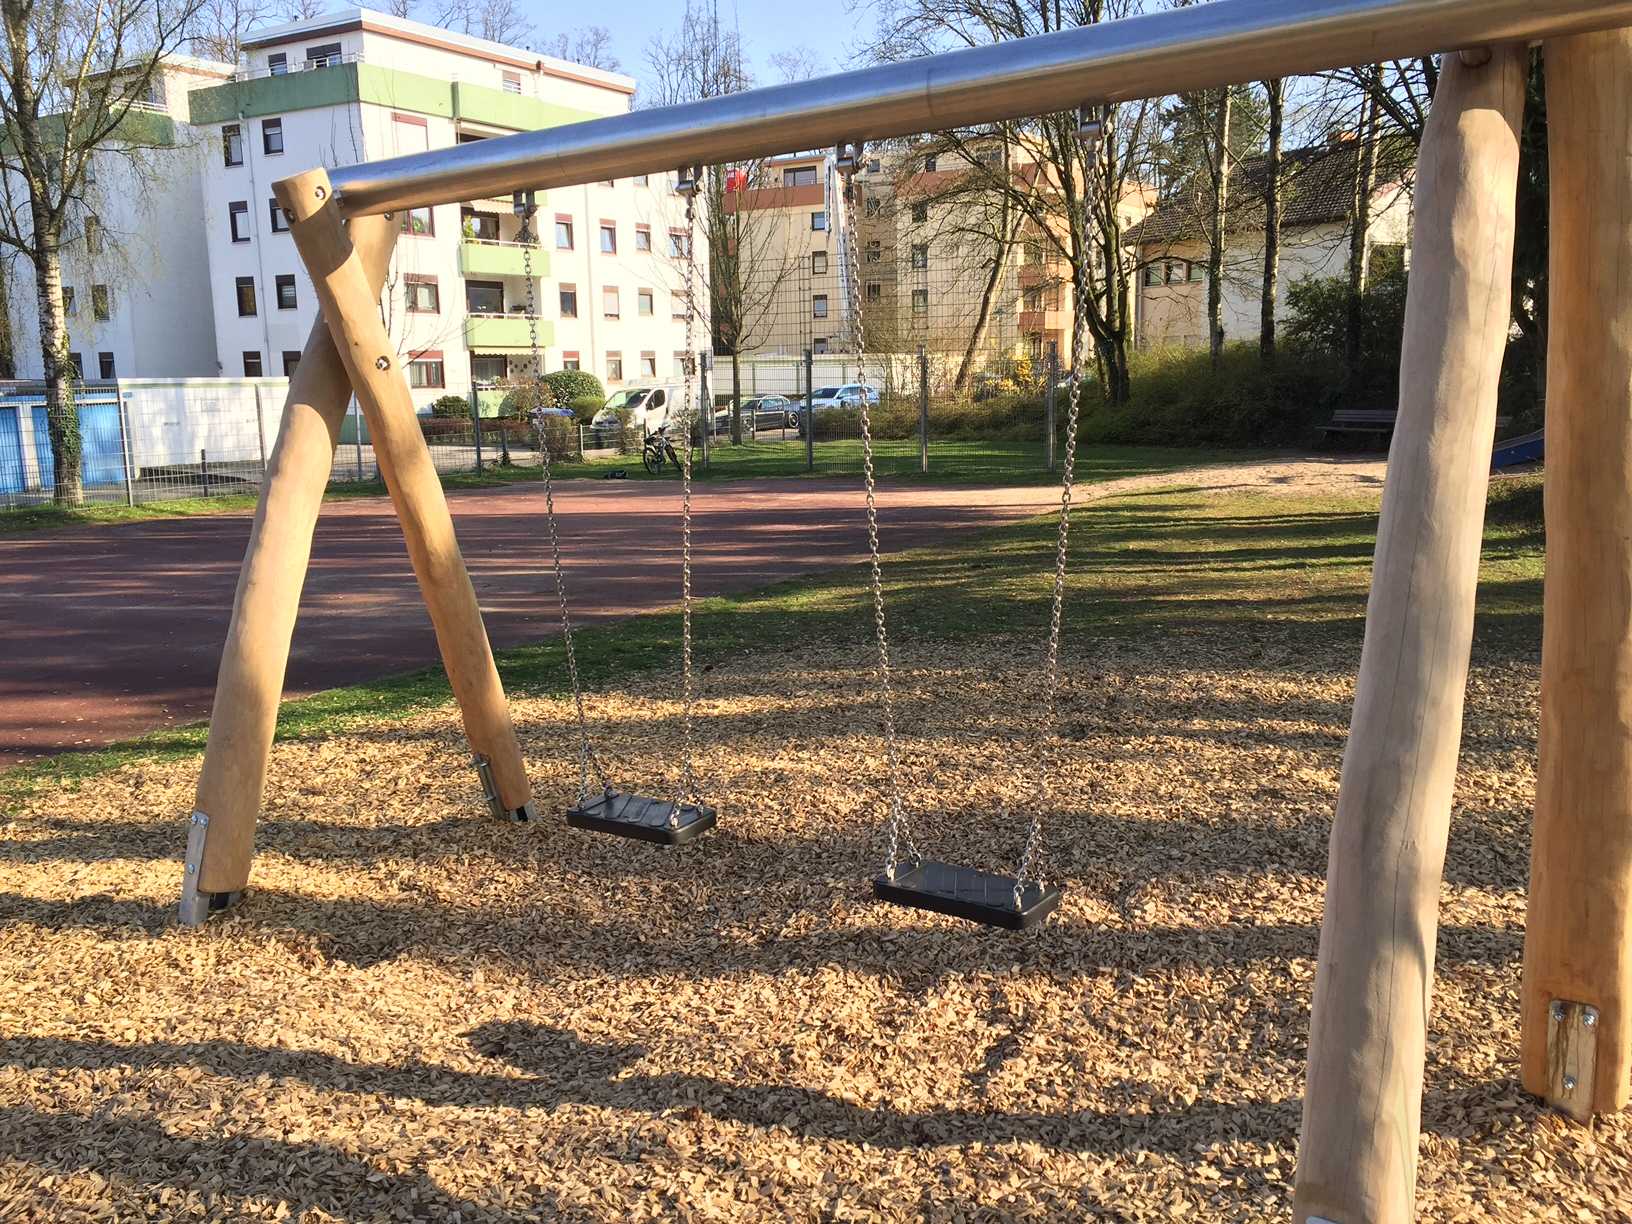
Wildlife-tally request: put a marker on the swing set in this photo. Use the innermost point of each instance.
(1368, 1027)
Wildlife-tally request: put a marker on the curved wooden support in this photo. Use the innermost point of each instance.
(1577, 993)
(1357, 1160)
(250, 681)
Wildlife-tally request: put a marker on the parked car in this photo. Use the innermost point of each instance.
(763, 412)
(846, 396)
(649, 409)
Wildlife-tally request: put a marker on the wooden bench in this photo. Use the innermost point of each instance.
(1372, 420)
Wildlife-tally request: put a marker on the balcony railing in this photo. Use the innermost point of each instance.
(310, 65)
(492, 257)
(487, 332)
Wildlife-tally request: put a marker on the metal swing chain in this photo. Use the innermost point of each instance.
(899, 826)
(1092, 132)
(688, 777)
(587, 760)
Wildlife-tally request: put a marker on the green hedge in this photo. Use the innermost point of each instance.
(570, 385)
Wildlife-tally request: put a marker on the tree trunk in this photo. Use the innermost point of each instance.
(1360, 234)
(736, 397)
(1276, 90)
(1215, 252)
(61, 416)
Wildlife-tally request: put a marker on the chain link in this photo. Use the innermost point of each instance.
(899, 825)
(587, 760)
(688, 778)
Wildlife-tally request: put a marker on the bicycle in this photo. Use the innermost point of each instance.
(656, 450)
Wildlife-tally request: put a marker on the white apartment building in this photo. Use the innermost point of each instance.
(136, 286)
(357, 85)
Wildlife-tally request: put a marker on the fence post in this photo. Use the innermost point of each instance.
(923, 408)
(810, 415)
(204, 469)
(357, 436)
(1053, 375)
(260, 430)
(476, 423)
(704, 359)
(124, 445)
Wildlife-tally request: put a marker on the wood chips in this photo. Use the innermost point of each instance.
(420, 1014)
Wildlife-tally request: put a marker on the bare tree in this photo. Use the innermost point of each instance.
(75, 77)
(397, 8)
(590, 46)
(1365, 182)
(1218, 172)
(798, 64)
(501, 21)
(1275, 92)
(220, 26)
(701, 57)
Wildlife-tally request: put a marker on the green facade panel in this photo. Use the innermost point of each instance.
(495, 108)
(489, 259)
(491, 333)
(336, 85)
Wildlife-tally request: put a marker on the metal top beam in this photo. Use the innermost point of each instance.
(1203, 47)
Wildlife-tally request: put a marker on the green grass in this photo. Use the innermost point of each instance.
(1212, 573)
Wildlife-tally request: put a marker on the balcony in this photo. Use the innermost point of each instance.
(487, 257)
(489, 333)
(1032, 321)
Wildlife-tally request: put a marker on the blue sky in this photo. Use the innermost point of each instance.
(767, 26)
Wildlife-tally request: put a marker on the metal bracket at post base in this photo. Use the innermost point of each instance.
(196, 905)
(1572, 1057)
(525, 814)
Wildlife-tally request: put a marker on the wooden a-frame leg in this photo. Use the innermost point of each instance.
(1357, 1157)
(1577, 992)
(351, 312)
(250, 680)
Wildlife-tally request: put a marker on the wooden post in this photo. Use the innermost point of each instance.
(1577, 992)
(351, 311)
(256, 653)
(1362, 1109)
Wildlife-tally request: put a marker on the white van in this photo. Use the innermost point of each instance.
(650, 407)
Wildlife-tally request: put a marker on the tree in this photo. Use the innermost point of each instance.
(1275, 97)
(220, 26)
(590, 46)
(75, 77)
(1218, 173)
(501, 21)
(1365, 183)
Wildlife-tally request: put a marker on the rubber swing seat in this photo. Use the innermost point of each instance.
(641, 818)
(967, 892)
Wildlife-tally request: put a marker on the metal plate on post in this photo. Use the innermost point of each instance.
(1572, 1057)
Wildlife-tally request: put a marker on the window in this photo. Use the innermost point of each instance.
(252, 363)
(1177, 272)
(648, 365)
(920, 256)
(643, 303)
(245, 287)
(614, 367)
(1153, 275)
(819, 344)
(571, 361)
(920, 213)
(481, 225)
(104, 365)
(419, 222)
(423, 293)
(1034, 251)
(643, 237)
(238, 220)
(873, 165)
(872, 205)
(609, 302)
(682, 364)
(929, 165)
(78, 362)
(875, 251)
(920, 301)
(1032, 299)
(1197, 272)
(291, 362)
(875, 291)
(818, 263)
(679, 242)
(609, 238)
(489, 367)
(818, 220)
(641, 180)
(271, 136)
(512, 82)
(425, 370)
(232, 145)
(818, 306)
(799, 176)
(67, 299)
(484, 297)
(278, 63)
(285, 288)
(323, 55)
(569, 301)
(93, 234)
(101, 308)
(563, 233)
(280, 223)
(677, 303)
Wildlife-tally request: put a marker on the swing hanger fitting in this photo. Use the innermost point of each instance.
(1090, 127)
(847, 157)
(523, 204)
(689, 180)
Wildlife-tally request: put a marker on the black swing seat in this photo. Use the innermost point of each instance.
(641, 818)
(966, 892)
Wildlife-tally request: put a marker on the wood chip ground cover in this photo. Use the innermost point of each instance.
(421, 1014)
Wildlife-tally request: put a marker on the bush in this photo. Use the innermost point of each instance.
(1318, 322)
(451, 406)
(570, 385)
(520, 401)
(585, 407)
